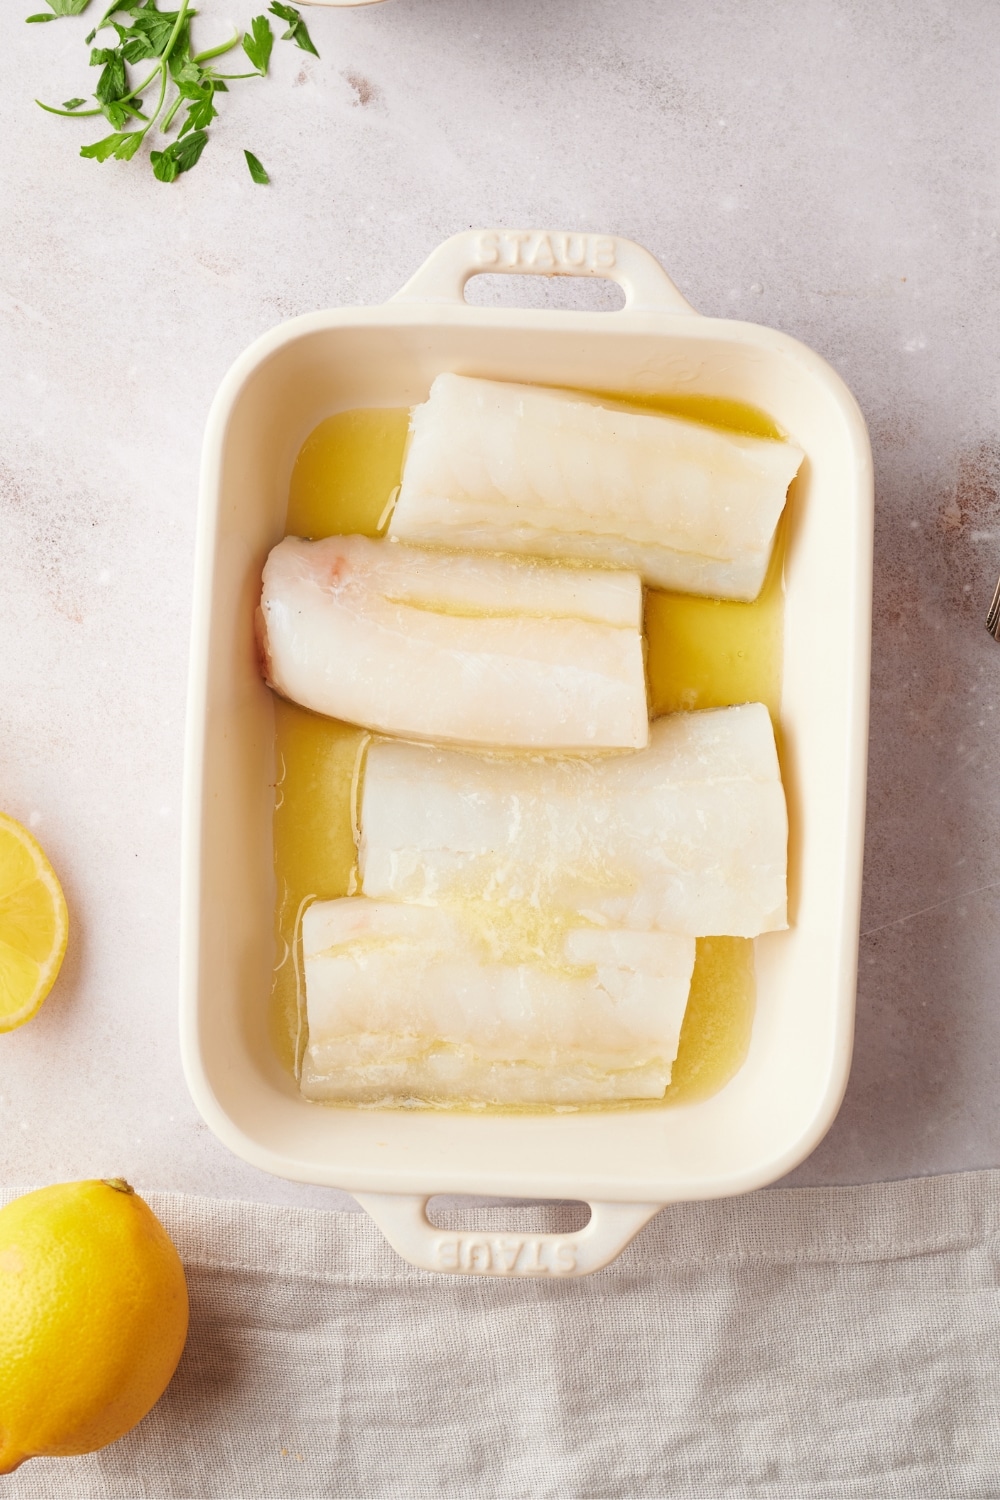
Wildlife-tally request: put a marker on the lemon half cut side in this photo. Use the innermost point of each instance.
(34, 924)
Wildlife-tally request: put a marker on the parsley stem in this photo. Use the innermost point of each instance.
(168, 118)
(163, 91)
(130, 95)
(71, 114)
(230, 76)
(163, 69)
(172, 39)
(218, 51)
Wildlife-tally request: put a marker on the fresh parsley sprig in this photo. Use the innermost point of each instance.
(180, 77)
(61, 8)
(296, 32)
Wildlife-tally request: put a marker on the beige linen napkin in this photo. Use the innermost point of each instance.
(796, 1342)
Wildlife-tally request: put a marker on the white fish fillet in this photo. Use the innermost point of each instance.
(466, 649)
(688, 836)
(418, 1002)
(516, 468)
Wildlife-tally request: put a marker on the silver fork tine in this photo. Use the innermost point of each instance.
(993, 618)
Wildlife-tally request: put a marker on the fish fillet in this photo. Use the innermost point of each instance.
(517, 468)
(688, 835)
(465, 649)
(425, 1003)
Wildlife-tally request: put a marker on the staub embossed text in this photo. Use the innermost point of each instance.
(505, 1255)
(508, 249)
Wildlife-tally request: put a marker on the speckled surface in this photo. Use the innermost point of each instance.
(823, 166)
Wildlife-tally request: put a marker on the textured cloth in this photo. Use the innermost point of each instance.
(798, 1342)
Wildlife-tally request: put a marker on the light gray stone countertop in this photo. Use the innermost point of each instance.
(828, 167)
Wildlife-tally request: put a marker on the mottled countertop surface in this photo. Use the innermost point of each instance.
(828, 167)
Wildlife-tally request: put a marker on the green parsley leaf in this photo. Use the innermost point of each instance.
(154, 26)
(297, 31)
(257, 45)
(128, 145)
(165, 168)
(101, 150)
(202, 111)
(183, 68)
(119, 112)
(122, 146)
(61, 8)
(137, 48)
(189, 150)
(180, 157)
(301, 38)
(206, 82)
(112, 83)
(126, 8)
(73, 103)
(257, 171)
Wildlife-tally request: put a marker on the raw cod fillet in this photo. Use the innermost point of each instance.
(517, 468)
(418, 1002)
(465, 649)
(687, 836)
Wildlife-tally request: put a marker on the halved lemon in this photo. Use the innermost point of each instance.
(34, 925)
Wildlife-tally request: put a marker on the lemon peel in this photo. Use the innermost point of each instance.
(34, 924)
(93, 1318)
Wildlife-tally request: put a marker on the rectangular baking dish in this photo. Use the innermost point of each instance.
(625, 1164)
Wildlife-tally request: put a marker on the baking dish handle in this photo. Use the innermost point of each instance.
(539, 252)
(403, 1220)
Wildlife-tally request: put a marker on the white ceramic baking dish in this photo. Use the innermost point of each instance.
(626, 1165)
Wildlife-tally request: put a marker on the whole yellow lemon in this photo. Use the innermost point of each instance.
(93, 1318)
